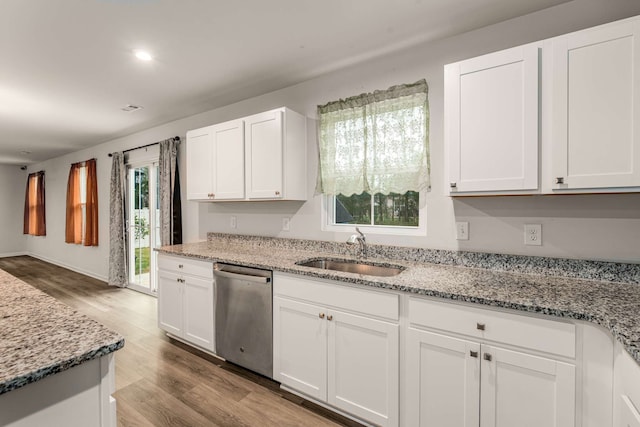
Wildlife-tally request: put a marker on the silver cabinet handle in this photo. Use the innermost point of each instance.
(487, 357)
(560, 180)
(453, 184)
(473, 353)
(480, 326)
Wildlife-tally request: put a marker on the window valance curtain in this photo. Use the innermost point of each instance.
(375, 142)
(34, 206)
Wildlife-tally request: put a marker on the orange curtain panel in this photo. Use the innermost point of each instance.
(73, 230)
(34, 206)
(91, 215)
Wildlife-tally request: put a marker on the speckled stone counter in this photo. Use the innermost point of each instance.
(40, 336)
(613, 305)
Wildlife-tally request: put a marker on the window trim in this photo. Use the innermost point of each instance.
(328, 221)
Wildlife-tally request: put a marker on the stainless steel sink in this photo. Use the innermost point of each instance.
(358, 267)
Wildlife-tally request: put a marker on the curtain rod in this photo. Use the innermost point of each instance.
(84, 161)
(177, 138)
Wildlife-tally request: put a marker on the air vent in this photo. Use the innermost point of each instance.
(129, 108)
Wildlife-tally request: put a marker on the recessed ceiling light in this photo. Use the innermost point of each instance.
(142, 55)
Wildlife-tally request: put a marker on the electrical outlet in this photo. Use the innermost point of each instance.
(533, 234)
(462, 230)
(285, 223)
(233, 222)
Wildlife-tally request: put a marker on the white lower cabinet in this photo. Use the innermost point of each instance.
(186, 300)
(454, 381)
(626, 390)
(344, 357)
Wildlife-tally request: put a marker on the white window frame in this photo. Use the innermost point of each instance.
(329, 224)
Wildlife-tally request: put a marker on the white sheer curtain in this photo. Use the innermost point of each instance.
(117, 223)
(375, 142)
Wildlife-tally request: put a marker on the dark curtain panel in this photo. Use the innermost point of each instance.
(177, 211)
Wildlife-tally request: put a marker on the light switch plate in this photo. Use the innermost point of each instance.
(233, 222)
(462, 230)
(286, 226)
(533, 234)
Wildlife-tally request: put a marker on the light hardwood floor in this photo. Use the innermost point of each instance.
(161, 382)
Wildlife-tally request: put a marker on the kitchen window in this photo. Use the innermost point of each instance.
(374, 160)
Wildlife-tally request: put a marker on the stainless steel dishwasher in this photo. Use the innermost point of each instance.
(244, 325)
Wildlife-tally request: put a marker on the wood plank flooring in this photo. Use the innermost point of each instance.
(162, 382)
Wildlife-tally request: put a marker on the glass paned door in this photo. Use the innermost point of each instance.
(143, 228)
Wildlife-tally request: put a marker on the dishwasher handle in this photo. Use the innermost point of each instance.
(257, 279)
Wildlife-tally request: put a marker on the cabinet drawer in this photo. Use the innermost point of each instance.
(182, 265)
(549, 336)
(362, 301)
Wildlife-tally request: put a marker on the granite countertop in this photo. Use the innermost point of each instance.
(612, 305)
(40, 336)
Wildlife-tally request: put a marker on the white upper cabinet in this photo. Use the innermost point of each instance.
(228, 160)
(595, 100)
(260, 157)
(199, 155)
(571, 101)
(491, 121)
(264, 155)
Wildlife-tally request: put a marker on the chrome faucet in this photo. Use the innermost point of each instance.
(361, 239)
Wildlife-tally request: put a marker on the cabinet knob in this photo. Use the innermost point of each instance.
(277, 193)
(487, 357)
(180, 266)
(559, 180)
(321, 315)
(473, 353)
(480, 326)
(453, 184)
(330, 317)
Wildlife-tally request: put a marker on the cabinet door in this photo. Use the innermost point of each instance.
(170, 302)
(443, 380)
(596, 97)
(228, 160)
(519, 389)
(629, 415)
(199, 172)
(300, 347)
(491, 109)
(363, 367)
(263, 139)
(198, 312)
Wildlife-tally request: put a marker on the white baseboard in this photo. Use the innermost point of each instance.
(69, 267)
(8, 254)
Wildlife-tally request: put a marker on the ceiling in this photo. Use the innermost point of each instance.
(67, 66)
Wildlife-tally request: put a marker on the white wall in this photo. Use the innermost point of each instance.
(603, 227)
(12, 241)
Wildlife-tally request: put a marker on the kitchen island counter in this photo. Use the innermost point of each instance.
(56, 365)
